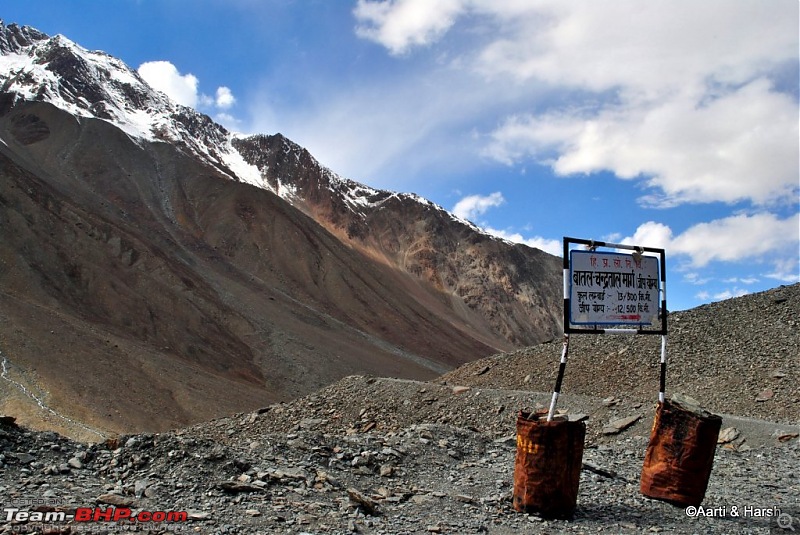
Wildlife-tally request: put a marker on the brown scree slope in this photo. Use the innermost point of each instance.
(142, 290)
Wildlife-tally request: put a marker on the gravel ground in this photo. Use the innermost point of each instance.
(324, 465)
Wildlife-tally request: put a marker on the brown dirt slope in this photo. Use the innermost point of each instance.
(141, 290)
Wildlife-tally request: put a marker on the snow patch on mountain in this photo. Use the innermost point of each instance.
(96, 85)
(242, 170)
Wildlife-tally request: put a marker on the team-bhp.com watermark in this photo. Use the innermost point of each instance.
(123, 518)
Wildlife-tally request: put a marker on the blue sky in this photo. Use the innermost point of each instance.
(669, 124)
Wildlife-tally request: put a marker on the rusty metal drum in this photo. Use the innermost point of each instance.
(547, 469)
(680, 455)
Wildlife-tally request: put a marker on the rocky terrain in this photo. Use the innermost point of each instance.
(739, 356)
(392, 456)
(167, 286)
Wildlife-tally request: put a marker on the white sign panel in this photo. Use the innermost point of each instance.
(613, 289)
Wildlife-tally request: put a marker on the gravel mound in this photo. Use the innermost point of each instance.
(740, 357)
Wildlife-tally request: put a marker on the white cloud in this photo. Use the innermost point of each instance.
(401, 24)
(743, 280)
(651, 234)
(225, 98)
(786, 270)
(183, 88)
(165, 77)
(730, 293)
(663, 44)
(740, 237)
(600, 45)
(762, 237)
(695, 279)
(653, 48)
(676, 93)
(472, 206)
(740, 146)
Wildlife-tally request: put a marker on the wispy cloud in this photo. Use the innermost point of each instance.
(554, 247)
(388, 130)
(785, 269)
(695, 278)
(473, 206)
(730, 293)
(727, 293)
(747, 280)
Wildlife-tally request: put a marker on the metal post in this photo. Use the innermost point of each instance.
(557, 390)
(663, 380)
(664, 313)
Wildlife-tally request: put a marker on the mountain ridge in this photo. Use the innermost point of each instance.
(368, 219)
(348, 209)
(160, 274)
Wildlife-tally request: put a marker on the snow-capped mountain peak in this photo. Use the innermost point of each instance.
(37, 67)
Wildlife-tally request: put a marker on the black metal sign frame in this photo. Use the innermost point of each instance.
(613, 280)
(637, 250)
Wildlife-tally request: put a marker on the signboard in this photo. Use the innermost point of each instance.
(613, 289)
(613, 293)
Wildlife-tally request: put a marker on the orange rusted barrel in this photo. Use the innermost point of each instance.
(547, 469)
(679, 457)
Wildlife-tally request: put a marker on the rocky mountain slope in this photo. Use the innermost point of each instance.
(515, 290)
(387, 456)
(740, 356)
(158, 270)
